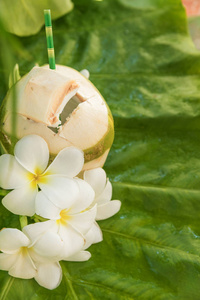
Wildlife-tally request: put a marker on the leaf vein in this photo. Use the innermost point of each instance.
(84, 282)
(6, 288)
(69, 283)
(152, 243)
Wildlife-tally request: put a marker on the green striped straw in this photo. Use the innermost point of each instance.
(49, 36)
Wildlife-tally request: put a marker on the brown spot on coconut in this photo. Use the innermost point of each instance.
(64, 108)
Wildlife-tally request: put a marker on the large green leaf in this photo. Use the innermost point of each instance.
(142, 60)
(25, 17)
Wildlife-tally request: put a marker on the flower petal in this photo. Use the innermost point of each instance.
(61, 191)
(49, 245)
(85, 199)
(69, 162)
(23, 267)
(12, 174)
(49, 275)
(97, 179)
(32, 153)
(73, 240)
(80, 256)
(21, 201)
(36, 230)
(93, 236)
(12, 239)
(45, 208)
(106, 195)
(108, 209)
(7, 261)
(83, 221)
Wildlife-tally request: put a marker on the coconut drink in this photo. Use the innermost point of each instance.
(63, 107)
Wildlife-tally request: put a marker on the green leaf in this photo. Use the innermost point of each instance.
(143, 61)
(25, 17)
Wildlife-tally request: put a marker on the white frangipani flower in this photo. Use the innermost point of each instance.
(70, 221)
(24, 259)
(27, 170)
(103, 193)
(93, 236)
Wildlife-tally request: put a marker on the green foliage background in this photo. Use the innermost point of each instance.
(144, 63)
(25, 17)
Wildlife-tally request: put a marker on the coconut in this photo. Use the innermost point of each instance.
(64, 108)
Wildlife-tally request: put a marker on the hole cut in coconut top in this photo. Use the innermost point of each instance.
(68, 109)
(70, 106)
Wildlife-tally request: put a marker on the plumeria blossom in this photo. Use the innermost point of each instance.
(35, 253)
(38, 231)
(93, 236)
(70, 221)
(27, 171)
(103, 193)
(23, 258)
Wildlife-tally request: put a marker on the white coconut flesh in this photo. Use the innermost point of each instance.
(63, 99)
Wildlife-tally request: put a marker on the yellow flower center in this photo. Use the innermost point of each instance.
(24, 251)
(37, 178)
(64, 217)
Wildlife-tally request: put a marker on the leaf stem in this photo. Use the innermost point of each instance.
(3, 192)
(23, 221)
(37, 218)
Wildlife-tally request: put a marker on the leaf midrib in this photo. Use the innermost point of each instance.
(133, 185)
(152, 243)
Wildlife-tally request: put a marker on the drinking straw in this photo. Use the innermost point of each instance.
(49, 36)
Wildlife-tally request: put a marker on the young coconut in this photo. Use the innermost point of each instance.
(64, 108)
